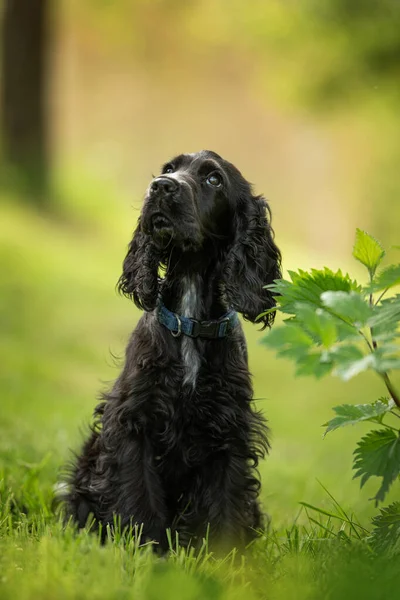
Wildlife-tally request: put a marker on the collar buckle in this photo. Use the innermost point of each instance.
(207, 329)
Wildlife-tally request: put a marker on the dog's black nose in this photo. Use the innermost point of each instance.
(164, 185)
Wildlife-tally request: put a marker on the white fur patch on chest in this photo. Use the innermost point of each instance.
(190, 356)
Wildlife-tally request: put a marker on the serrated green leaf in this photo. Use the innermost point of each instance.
(386, 336)
(350, 306)
(307, 287)
(386, 315)
(378, 454)
(313, 364)
(346, 353)
(290, 334)
(385, 320)
(386, 279)
(349, 414)
(368, 251)
(386, 533)
(347, 332)
(292, 341)
(318, 323)
(349, 360)
(347, 371)
(386, 358)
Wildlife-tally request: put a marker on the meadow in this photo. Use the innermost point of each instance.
(64, 329)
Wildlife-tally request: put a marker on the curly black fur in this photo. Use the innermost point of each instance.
(176, 442)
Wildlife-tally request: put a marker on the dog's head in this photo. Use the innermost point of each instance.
(201, 204)
(189, 201)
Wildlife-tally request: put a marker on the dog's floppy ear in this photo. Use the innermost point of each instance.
(253, 261)
(139, 279)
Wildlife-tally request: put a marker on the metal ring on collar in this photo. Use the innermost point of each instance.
(178, 333)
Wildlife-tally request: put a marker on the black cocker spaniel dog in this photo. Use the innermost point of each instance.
(176, 442)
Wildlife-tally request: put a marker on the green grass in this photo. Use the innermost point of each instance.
(61, 324)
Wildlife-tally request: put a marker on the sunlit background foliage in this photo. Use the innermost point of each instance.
(303, 97)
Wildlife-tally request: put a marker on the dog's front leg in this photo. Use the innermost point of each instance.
(220, 504)
(138, 495)
(118, 482)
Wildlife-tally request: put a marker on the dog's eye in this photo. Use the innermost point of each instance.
(168, 169)
(214, 179)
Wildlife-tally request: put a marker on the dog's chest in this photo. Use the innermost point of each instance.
(189, 307)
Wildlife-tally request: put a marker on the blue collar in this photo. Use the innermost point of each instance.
(211, 330)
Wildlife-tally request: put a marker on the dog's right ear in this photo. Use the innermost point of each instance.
(139, 279)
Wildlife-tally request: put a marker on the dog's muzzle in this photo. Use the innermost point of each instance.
(164, 187)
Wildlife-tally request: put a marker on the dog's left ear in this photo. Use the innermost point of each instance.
(253, 261)
(139, 279)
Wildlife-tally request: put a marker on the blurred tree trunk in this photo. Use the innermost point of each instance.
(24, 121)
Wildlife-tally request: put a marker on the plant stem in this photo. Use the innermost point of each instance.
(389, 427)
(391, 390)
(371, 303)
(385, 376)
(381, 296)
(366, 339)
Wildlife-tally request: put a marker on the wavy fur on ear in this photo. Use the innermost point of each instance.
(139, 279)
(253, 262)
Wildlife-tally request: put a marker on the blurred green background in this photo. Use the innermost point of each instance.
(303, 97)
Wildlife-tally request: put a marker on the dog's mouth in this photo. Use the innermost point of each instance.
(164, 231)
(160, 222)
(161, 230)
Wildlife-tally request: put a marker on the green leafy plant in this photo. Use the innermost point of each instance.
(336, 325)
